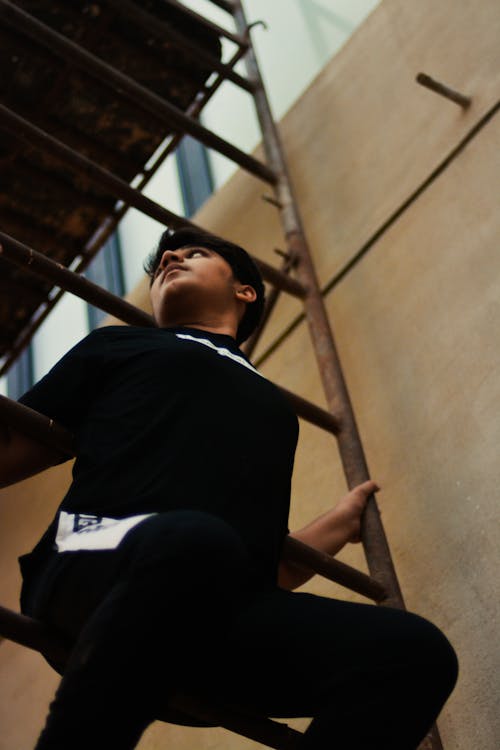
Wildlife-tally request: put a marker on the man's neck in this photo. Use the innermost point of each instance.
(214, 326)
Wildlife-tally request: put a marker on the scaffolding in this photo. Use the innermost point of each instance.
(104, 181)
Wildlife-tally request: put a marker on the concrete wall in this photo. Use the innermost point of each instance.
(383, 183)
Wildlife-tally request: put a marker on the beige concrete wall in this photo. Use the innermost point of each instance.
(416, 323)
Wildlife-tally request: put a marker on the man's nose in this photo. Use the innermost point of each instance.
(169, 256)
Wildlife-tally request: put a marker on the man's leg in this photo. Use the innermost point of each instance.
(373, 678)
(179, 578)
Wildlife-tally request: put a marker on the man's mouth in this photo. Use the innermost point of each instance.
(170, 269)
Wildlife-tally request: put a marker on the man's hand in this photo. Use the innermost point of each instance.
(329, 532)
(349, 509)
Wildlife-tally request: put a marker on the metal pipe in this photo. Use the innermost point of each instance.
(37, 426)
(439, 88)
(226, 5)
(163, 30)
(32, 634)
(128, 88)
(312, 413)
(280, 280)
(262, 730)
(25, 337)
(327, 566)
(350, 448)
(39, 264)
(219, 30)
(271, 300)
(252, 341)
(373, 536)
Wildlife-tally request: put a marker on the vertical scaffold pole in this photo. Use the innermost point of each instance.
(351, 451)
(339, 403)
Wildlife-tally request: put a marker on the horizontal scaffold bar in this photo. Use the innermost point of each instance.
(37, 263)
(86, 168)
(36, 426)
(126, 87)
(239, 40)
(328, 567)
(33, 634)
(162, 30)
(266, 732)
(226, 5)
(312, 413)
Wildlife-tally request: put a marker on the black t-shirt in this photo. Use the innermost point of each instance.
(173, 418)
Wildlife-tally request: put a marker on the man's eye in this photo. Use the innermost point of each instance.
(195, 253)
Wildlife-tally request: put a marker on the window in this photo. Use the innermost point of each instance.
(20, 374)
(195, 176)
(106, 271)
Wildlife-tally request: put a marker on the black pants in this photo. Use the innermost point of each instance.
(176, 608)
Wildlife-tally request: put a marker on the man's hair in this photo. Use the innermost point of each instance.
(243, 267)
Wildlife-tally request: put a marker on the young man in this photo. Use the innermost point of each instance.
(163, 562)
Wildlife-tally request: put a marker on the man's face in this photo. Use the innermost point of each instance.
(191, 281)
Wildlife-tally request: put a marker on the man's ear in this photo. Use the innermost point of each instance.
(245, 293)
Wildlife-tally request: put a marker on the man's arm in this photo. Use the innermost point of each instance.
(21, 456)
(329, 532)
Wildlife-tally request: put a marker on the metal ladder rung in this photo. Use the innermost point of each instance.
(37, 263)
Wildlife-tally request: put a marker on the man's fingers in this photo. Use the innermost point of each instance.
(367, 487)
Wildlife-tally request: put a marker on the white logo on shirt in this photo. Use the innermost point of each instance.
(78, 531)
(221, 350)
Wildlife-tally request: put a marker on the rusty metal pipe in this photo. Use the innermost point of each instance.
(373, 536)
(265, 731)
(24, 256)
(271, 301)
(123, 85)
(226, 5)
(350, 448)
(281, 280)
(32, 634)
(37, 426)
(312, 413)
(327, 566)
(219, 30)
(439, 88)
(252, 341)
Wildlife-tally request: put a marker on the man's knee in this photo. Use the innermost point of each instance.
(189, 540)
(437, 658)
(421, 654)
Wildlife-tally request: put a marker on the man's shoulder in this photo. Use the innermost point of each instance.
(120, 330)
(120, 333)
